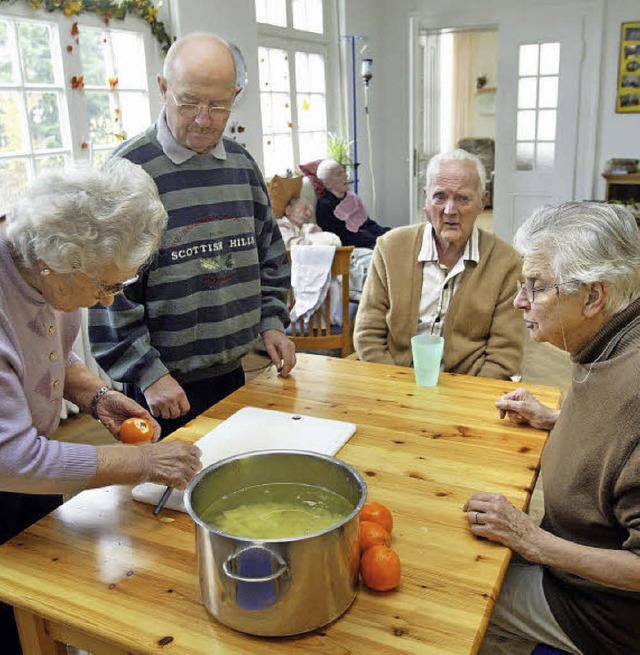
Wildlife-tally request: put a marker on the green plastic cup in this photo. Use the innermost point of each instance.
(427, 355)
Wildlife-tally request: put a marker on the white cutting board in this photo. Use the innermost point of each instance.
(252, 428)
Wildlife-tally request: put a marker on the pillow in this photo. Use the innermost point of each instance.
(281, 190)
(310, 170)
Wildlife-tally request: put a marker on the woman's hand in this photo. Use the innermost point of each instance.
(522, 407)
(114, 407)
(493, 517)
(171, 463)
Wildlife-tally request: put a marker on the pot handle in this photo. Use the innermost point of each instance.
(262, 559)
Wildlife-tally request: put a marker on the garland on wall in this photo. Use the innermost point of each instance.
(107, 9)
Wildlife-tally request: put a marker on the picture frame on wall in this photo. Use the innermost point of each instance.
(628, 94)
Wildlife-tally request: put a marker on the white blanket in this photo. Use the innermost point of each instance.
(310, 278)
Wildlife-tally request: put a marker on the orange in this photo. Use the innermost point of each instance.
(377, 513)
(136, 429)
(372, 534)
(380, 568)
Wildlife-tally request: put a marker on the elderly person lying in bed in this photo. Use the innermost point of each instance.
(576, 583)
(444, 277)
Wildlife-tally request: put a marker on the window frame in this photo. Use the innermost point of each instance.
(73, 117)
(294, 40)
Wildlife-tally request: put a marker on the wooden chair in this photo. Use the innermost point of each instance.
(313, 336)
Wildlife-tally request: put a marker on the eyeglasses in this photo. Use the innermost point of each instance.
(192, 109)
(530, 291)
(105, 290)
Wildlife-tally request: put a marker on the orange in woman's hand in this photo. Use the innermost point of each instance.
(372, 534)
(135, 430)
(380, 568)
(377, 513)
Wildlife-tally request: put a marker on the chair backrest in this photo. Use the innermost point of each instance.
(318, 333)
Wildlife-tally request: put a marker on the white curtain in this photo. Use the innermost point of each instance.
(463, 85)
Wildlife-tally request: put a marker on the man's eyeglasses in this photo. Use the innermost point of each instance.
(530, 291)
(192, 109)
(105, 290)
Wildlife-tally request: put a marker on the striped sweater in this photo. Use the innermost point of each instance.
(220, 278)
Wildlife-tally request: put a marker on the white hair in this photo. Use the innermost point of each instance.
(326, 168)
(455, 155)
(586, 242)
(83, 219)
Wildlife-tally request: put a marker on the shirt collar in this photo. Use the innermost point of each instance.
(429, 252)
(175, 151)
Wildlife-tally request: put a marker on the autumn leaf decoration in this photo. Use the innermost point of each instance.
(77, 82)
(147, 10)
(113, 83)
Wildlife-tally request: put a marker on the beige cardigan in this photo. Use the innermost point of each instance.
(483, 332)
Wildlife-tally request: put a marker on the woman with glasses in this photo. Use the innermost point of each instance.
(575, 583)
(76, 239)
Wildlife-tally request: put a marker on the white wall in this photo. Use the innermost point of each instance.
(618, 135)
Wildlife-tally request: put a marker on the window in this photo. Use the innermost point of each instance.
(69, 90)
(293, 62)
(538, 75)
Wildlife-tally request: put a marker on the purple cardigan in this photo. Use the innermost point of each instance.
(35, 349)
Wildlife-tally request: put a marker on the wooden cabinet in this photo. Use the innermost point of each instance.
(624, 189)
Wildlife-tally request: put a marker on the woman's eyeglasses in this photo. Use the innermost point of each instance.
(105, 290)
(530, 291)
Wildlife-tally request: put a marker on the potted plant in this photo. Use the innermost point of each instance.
(339, 148)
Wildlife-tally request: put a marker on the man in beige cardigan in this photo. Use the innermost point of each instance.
(444, 277)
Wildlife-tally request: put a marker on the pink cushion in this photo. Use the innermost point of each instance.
(309, 170)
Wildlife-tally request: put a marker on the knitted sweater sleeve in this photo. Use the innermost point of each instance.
(120, 339)
(29, 461)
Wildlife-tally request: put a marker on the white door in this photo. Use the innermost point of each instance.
(538, 107)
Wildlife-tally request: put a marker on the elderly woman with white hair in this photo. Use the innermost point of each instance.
(76, 239)
(576, 582)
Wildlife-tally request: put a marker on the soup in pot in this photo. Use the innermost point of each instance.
(279, 510)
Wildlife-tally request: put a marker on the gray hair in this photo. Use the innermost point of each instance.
(586, 242)
(83, 219)
(455, 155)
(326, 167)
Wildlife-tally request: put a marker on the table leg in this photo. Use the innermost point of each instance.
(34, 637)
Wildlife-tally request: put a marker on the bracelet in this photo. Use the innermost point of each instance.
(93, 407)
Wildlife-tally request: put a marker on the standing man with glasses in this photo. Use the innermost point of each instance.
(176, 337)
(444, 277)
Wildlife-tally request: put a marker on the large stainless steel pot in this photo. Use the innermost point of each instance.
(277, 587)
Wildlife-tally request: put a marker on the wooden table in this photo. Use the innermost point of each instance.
(103, 574)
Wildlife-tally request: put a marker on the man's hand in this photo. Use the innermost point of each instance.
(115, 407)
(166, 398)
(281, 350)
(522, 407)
